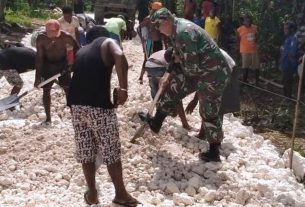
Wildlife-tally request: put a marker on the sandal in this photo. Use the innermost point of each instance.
(131, 203)
(86, 199)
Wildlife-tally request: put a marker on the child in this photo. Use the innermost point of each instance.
(212, 25)
(199, 19)
(247, 39)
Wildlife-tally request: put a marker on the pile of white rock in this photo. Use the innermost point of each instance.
(38, 166)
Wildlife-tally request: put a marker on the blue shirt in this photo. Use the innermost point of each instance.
(290, 48)
(199, 21)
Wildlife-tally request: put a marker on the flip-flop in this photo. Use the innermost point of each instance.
(86, 198)
(130, 203)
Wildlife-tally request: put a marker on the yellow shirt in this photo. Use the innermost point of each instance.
(211, 27)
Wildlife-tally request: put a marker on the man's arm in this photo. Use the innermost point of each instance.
(76, 25)
(39, 59)
(77, 35)
(112, 54)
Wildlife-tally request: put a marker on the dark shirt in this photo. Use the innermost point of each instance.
(143, 10)
(20, 58)
(90, 84)
(290, 48)
(79, 7)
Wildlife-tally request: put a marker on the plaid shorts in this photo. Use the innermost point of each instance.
(12, 77)
(96, 132)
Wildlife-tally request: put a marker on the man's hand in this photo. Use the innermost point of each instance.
(120, 96)
(164, 81)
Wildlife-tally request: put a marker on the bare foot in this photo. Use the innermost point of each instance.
(127, 200)
(91, 197)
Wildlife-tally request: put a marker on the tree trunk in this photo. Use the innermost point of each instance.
(2, 7)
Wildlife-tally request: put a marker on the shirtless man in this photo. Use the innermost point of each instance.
(13, 61)
(51, 59)
(69, 23)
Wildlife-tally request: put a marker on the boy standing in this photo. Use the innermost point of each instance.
(247, 37)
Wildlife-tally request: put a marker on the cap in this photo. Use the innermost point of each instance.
(53, 24)
(160, 15)
(156, 5)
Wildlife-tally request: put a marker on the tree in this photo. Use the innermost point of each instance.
(2, 7)
(33, 3)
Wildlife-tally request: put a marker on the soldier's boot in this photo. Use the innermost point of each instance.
(155, 123)
(257, 77)
(212, 155)
(245, 74)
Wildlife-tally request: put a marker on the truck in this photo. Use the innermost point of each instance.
(111, 8)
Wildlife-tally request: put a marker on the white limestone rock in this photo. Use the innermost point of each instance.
(298, 163)
(167, 203)
(210, 196)
(171, 187)
(182, 198)
(4, 181)
(3, 150)
(242, 196)
(136, 160)
(195, 182)
(191, 191)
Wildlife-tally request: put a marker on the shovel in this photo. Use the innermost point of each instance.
(13, 100)
(140, 131)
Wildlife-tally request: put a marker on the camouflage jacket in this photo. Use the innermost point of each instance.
(197, 51)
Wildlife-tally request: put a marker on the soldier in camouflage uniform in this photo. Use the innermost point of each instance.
(204, 70)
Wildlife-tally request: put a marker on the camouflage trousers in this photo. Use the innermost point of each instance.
(12, 77)
(209, 87)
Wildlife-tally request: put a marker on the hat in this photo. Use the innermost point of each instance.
(156, 5)
(160, 15)
(53, 23)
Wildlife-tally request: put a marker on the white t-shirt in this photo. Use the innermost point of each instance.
(69, 27)
(156, 60)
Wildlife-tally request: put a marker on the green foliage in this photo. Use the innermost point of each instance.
(13, 17)
(21, 12)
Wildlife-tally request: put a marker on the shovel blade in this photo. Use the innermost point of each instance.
(8, 106)
(138, 133)
(9, 102)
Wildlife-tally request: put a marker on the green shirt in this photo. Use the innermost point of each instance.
(115, 25)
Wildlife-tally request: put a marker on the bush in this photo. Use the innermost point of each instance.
(20, 12)
(13, 17)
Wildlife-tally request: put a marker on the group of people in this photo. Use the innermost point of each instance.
(191, 62)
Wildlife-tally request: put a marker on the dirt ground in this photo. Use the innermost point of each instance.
(272, 116)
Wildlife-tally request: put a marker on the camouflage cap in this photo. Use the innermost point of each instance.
(160, 15)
